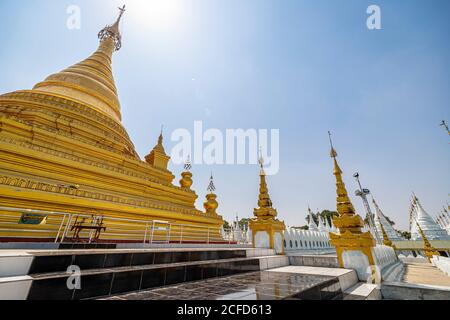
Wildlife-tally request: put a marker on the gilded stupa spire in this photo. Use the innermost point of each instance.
(113, 31)
(265, 221)
(264, 201)
(91, 81)
(158, 157)
(344, 205)
(211, 203)
(350, 237)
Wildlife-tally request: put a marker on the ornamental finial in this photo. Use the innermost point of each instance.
(188, 164)
(261, 162)
(333, 153)
(211, 186)
(113, 31)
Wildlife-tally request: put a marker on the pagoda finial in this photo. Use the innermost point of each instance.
(211, 187)
(350, 224)
(186, 180)
(113, 32)
(211, 203)
(261, 162)
(161, 136)
(344, 205)
(333, 152)
(188, 164)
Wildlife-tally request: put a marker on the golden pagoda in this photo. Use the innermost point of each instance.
(63, 148)
(350, 237)
(267, 231)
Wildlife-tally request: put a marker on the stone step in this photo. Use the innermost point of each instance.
(347, 278)
(116, 280)
(394, 272)
(326, 261)
(25, 262)
(362, 291)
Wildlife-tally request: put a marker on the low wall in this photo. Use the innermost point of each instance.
(384, 257)
(305, 240)
(442, 263)
(406, 291)
(326, 261)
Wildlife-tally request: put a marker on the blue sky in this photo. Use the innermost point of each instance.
(304, 67)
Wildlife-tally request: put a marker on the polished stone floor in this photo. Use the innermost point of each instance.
(250, 286)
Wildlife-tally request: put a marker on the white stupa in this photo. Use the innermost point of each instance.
(431, 229)
(312, 225)
(380, 219)
(322, 226)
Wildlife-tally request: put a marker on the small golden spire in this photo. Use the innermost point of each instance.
(158, 157)
(344, 205)
(211, 187)
(445, 125)
(186, 181)
(211, 203)
(264, 197)
(160, 145)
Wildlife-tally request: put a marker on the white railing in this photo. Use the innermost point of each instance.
(305, 240)
(60, 227)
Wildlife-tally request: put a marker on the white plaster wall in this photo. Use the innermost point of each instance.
(262, 239)
(278, 242)
(11, 266)
(357, 261)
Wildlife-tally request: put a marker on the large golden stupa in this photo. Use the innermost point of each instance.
(63, 149)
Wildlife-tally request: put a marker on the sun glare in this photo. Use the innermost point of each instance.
(156, 13)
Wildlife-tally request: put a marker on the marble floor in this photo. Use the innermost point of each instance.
(249, 286)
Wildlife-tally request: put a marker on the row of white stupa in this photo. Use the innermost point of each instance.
(443, 220)
(418, 216)
(434, 230)
(323, 224)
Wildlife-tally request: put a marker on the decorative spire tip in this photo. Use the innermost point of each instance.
(333, 152)
(113, 32)
(211, 186)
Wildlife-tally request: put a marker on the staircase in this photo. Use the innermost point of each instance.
(42, 275)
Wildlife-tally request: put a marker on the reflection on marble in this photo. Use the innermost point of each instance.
(250, 286)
